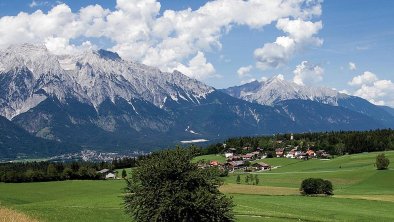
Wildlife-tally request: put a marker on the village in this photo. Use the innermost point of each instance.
(249, 159)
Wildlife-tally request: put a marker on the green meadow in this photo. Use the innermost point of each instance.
(216, 157)
(361, 194)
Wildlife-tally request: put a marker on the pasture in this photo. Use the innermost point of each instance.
(361, 194)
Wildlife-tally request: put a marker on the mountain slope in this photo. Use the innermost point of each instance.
(16, 142)
(315, 116)
(276, 90)
(364, 107)
(388, 109)
(100, 101)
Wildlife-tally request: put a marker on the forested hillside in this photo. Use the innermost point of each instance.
(336, 143)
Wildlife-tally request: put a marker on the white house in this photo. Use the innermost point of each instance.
(110, 176)
(107, 174)
(228, 155)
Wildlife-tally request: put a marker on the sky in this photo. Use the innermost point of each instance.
(345, 45)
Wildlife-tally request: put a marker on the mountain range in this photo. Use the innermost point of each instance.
(98, 100)
(274, 91)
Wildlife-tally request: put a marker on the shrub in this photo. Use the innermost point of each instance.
(316, 186)
(382, 162)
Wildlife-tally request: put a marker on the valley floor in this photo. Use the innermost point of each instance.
(361, 194)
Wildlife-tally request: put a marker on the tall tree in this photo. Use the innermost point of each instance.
(167, 186)
(256, 179)
(124, 173)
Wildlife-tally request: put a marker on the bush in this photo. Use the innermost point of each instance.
(223, 173)
(316, 186)
(382, 162)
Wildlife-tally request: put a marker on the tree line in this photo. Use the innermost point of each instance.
(335, 143)
(19, 172)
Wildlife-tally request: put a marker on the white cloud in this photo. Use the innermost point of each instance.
(344, 91)
(33, 4)
(61, 46)
(263, 78)
(367, 78)
(38, 3)
(248, 81)
(244, 71)
(352, 66)
(280, 76)
(170, 39)
(198, 67)
(300, 34)
(307, 73)
(371, 88)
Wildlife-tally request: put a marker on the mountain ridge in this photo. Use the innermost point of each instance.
(276, 90)
(98, 100)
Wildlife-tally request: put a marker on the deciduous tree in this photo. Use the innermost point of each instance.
(382, 162)
(167, 186)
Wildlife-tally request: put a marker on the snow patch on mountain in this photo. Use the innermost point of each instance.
(277, 89)
(191, 131)
(90, 77)
(194, 141)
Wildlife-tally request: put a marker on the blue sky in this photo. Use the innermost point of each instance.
(360, 32)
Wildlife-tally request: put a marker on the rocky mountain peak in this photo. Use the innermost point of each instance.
(277, 89)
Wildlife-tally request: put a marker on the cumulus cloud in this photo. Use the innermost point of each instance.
(248, 81)
(263, 78)
(367, 78)
(198, 67)
(244, 71)
(169, 40)
(38, 3)
(307, 73)
(371, 88)
(300, 34)
(344, 91)
(33, 4)
(352, 66)
(280, 76)
(61, 46)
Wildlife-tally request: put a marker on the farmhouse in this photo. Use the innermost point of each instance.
(291, 154)
(107, 174)
(249, 156)
(323, 154)
(280, 152)
(234, 158)
(256, 153)
(261, 166)
(110, 176)
(311, 153)
(233, 165)
(246, 148)
(214, 163)
(228, 154)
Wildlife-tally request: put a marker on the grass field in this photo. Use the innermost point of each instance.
(216, 157)
(361, 194)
